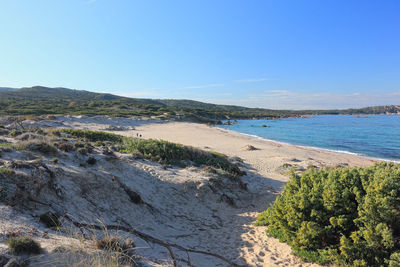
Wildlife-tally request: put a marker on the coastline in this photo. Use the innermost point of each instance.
(314, 147)
(265, 160)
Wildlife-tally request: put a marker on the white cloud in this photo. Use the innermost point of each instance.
(205, 86)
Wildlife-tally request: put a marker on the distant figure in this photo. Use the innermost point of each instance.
(137, 134)
(140, 135)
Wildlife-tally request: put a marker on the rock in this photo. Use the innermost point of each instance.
(250, 148)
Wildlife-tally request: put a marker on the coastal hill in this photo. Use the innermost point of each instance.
(39, 100)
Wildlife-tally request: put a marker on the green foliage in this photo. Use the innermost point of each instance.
(92, 136)
(171, 153)
(24, 245)
(6, 173)
(156, 150)
(40, 146)
(15, 133)
(54, 160)
(346, 216)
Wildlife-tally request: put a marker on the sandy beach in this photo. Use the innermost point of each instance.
(267, 157)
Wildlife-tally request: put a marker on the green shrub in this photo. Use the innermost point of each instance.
(5, 172)
(54, 160)
(24, 245)
(91, 136)
(346, 216)
(15, 133)
(171, 153)
(156, 150)
(42, 147)
(66, 147)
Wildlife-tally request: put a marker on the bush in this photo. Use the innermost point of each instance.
(91, 161)
(6, 173)
(156, 150)
(171, 153)
(66, 147)
(24, 245)
(42, 147)
(346, 216)
(15, 133)
(51, 220)
(91, 136)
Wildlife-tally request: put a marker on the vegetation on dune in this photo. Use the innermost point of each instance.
(24, 245)
(346, 216)
(92, 136)
(171, 153)
(156, 150)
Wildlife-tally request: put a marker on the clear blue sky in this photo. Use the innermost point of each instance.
(273, 54)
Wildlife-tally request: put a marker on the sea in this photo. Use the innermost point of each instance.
(376, 136)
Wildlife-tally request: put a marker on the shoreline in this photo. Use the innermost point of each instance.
(313, 147)
(265, 160)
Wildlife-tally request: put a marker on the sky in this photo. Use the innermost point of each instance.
(298, 54)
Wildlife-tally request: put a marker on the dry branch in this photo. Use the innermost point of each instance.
(148, 238)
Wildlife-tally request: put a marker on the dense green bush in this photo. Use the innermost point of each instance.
(346, 216)
(92, 136)
(24, 245)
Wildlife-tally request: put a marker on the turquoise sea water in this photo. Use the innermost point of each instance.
(371, 135)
